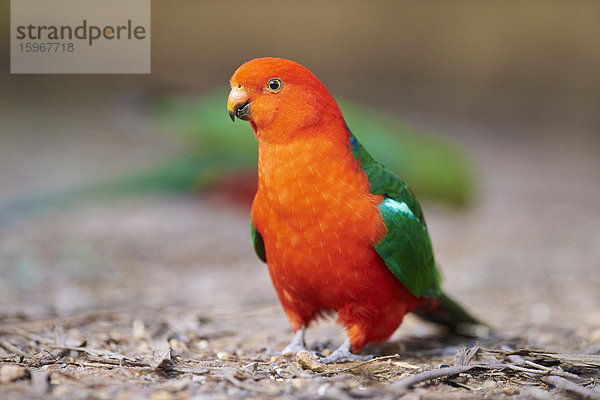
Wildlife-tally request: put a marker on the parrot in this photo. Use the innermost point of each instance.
(339, 232)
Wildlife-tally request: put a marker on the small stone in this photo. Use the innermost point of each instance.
(595, 335)
(489, 385)
(307, 361)
(511, 390)
(202, 344)
(323, 389)
(56, 379)
(61, 391)
(178, 345)
(161, 395)
(11, 372)
(239, 375)
(179, 385)
(300, 383)
(251, 367)
(139, 330)
(117, 337)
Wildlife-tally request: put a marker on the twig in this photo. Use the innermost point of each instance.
(235, 382)
(580, 360)
(564, 385)
(465, 355)
(193, 371)
(442, 373)
(550, 376)
(14, 349)
(529, 371)
(119, 362)
(88, 351)
(337, 371)
(554, 371)
(104, 357)
(30, 336)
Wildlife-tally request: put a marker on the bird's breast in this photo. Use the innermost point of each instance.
(313, 207)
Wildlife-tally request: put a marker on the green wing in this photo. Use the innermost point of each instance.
(406, 249)
(258, 242)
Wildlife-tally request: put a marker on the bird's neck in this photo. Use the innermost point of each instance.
(323, 120)
(311, 162)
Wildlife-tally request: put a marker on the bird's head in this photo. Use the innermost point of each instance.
(280, 98)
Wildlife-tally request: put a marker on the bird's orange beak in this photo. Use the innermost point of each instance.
(238, 104)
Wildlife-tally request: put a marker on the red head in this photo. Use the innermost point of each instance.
(280, 98)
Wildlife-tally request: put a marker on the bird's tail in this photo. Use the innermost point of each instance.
(444, 311)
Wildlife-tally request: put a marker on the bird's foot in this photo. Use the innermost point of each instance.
(342, 354)
(297, 344)
(294, 348)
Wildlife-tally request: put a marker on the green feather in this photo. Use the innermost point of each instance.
(434, 167)
(406, 249)
(258, 242)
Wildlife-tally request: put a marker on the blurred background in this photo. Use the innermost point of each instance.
(133, 190)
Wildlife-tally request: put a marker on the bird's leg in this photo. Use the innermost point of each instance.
(343, 353)
(297, 344)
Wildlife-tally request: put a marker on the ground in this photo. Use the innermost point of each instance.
(164, 298)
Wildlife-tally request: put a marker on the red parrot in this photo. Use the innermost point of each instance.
(339, 232)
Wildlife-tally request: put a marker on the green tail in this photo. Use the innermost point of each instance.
(444, 311)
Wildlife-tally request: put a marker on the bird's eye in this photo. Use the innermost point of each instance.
(274, 85)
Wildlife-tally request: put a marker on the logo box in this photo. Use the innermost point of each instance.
(80, 36)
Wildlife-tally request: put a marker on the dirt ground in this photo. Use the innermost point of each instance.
(163, 298)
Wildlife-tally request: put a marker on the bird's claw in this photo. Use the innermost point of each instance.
(343, 354)
(340, 356)
(293, 348)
